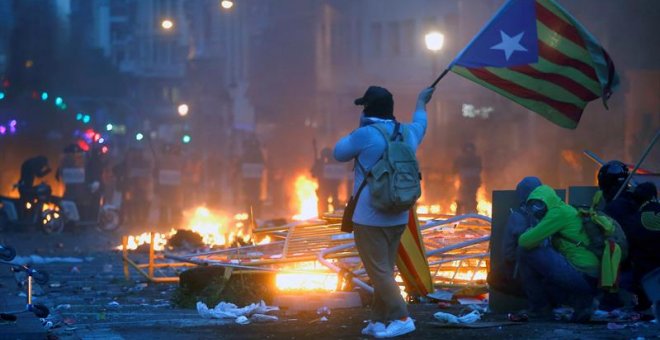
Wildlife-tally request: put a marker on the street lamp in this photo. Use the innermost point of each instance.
(183, 110)
(434, 41)
(227, 4)
(167, 24)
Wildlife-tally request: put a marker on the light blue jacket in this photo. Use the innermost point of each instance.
(367, 145)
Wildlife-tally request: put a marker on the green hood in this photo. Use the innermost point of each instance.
(547, 195)
(561, 222)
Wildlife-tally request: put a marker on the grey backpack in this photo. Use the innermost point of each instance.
(394, 181)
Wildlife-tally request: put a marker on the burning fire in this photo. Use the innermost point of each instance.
(309, 276)
(306, 198)
(484, 206)
(215, 229)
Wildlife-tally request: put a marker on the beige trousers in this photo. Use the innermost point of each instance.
(377, 247)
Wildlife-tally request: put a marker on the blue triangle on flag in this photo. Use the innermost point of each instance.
(509, 39)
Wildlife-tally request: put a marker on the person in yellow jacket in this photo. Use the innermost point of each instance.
(564, 273)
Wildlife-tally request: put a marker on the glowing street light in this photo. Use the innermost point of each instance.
(139, 136)
(434, 41)
(227, 4)
(167, 24)
(183, 110)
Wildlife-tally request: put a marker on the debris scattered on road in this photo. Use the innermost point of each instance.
(36, 259)
(453, 319)
(225, 310)
(242, 320)
(63, 306)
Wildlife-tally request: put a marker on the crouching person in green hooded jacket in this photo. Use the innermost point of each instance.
(565, 273)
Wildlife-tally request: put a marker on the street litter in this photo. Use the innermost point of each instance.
(242, 320)
(442, 295)
(113, 304)
(616, 326)
(63, 306)
(263, 318)
(36, 259)
(481, 308)
(453, 319)
(225, 310)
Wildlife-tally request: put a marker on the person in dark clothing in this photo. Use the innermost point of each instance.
(31, 169)
(611, 177)
(643, 238)
(504, 276)
(468, 169)
(564, 272)
(94, 167)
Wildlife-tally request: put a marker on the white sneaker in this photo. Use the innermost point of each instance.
(396, 328)
(373, 327)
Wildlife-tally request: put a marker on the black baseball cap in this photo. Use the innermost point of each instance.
(377, 102)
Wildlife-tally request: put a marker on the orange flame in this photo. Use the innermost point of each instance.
(484, 206)
(306, 199)
(308, 276)
(215, 228)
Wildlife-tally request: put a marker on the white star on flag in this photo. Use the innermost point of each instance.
(509, 44)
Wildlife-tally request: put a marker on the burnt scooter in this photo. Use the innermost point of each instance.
(7, 254)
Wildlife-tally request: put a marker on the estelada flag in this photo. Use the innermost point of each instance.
(411, 258)
(536, 54)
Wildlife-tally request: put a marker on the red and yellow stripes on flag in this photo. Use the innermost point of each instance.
(572, 70)
(411, 259)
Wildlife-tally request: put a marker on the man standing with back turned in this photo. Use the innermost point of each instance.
(378, 232)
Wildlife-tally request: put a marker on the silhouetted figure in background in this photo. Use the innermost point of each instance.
(329, 174)
(71, 172)
(133, 179)
(94, 167)
(467, 168)
(168, 185)
(252, 168)
(31, 169)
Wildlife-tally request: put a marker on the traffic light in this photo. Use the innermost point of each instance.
(108, 127)
(86, 119)
(2, 95)
(186, 139)
(79, 116)
(44, 96)
(139, 136)
(59, 101)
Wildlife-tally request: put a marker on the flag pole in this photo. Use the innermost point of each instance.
(639, 163)
(440, 77)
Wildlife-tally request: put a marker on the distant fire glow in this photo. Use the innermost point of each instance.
(308, 276)
(306, 200)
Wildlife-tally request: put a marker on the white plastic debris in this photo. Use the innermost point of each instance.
(263, 318)
(63, 306)
(113, 304)
(225, 310)
(323, 319)
(36, 259)
(242, 320)
(453, 319)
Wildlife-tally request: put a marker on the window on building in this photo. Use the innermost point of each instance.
(394, 37)
(409, 38)
(376, 38)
